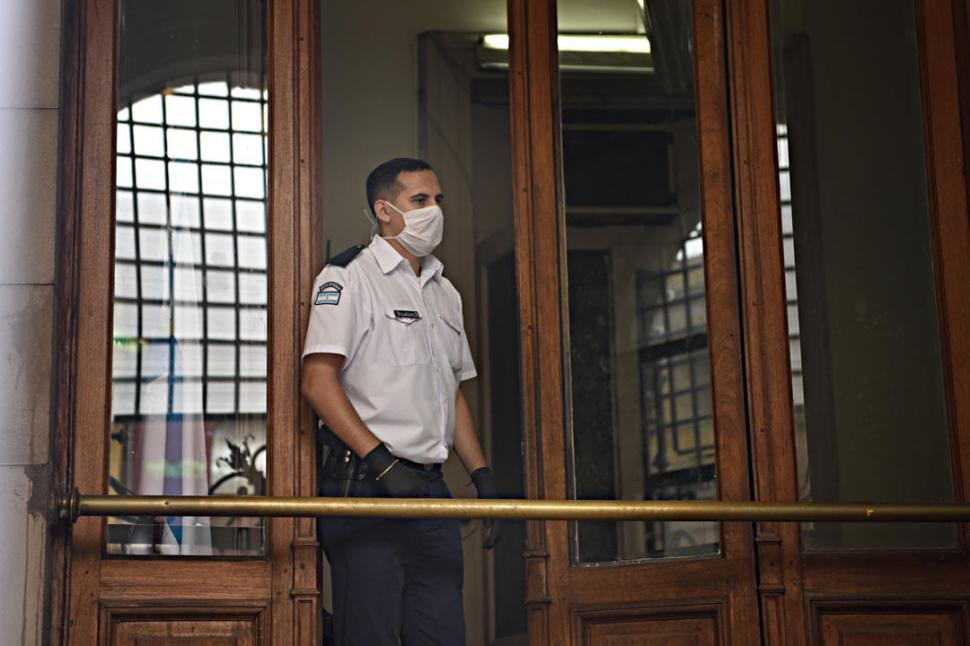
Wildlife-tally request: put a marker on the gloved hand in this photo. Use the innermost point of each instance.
(485, 484)
(395, 479)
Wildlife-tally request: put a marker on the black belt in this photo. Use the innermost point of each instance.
(340, 463)
(420, 467)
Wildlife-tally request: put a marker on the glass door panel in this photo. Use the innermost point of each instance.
(864, 331)
(189, 363)
(642, 425)
(645, 295)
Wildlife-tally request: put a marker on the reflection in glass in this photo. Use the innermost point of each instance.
(189, 353)
(642, 423)
(867, 380)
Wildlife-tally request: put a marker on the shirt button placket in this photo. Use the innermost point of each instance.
(443, 411)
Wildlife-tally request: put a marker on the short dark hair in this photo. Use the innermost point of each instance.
(382, 182)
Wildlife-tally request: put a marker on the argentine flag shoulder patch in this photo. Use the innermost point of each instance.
(329, 294)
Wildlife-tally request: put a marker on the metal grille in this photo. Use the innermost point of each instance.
(791, 291)
(675, 394)
(674, 365)
(190, 283)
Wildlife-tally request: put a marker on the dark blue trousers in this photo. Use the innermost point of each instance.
(395, 581)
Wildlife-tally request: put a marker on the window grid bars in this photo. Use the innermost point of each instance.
(235, 241)
(161, 302)
(666, 390)
(170, 395)
(204, 342)
(788, 242)
(183, 160)
(161, 191)
(202, 250)
(139, 328)
(178, 264)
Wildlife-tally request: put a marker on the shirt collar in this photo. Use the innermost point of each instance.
(388, 259)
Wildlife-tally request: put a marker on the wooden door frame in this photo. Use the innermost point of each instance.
(533, 109)
(792, 583)
(763, 310)
(283, 584)
(540, 246)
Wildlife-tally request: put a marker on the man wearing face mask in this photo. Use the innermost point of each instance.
(385, 352)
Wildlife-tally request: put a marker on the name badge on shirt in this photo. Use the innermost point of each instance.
(329, 294)
(410, 315)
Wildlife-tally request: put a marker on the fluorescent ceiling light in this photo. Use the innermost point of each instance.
(627, 44)
(495, 41)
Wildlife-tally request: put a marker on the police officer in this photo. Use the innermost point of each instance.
(385, 352)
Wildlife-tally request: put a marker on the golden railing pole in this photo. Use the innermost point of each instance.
(718, 510)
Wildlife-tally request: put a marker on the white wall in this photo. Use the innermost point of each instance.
(370, 102)
(29, 124)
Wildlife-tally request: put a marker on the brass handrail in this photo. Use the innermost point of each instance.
(76, 505)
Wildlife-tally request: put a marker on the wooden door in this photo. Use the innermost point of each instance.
(839, 409)
(596, 321)
(774, 338)
(188, 251)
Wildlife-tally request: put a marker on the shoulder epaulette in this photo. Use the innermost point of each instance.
(343, 258)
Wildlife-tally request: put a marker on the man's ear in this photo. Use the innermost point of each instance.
(380, 208)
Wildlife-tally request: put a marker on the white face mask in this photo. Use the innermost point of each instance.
(423, 229)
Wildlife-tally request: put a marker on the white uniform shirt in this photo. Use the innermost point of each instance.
(404, 343)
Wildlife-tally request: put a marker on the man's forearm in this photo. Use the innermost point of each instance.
(467, 446)
(326, 396)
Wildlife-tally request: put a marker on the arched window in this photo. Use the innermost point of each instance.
(189, 358)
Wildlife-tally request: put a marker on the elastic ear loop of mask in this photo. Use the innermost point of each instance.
(372, 220)
(374, 227)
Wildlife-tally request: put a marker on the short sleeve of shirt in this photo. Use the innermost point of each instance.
(467, 369)
(337, 318)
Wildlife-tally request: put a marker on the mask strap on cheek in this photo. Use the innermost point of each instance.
(394, 207)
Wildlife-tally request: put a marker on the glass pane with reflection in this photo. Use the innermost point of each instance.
(642, 426)
(867, 377)
(188, 399)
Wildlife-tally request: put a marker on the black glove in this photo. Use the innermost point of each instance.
(485, 484)
(395, 479)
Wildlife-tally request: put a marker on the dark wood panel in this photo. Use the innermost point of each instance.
(534, 193)
(196, 626)
(712, 40)
(659, 581)
(648, 626)
(763, 310)
(66, 285)
(873, 627)
(306, 578)
(145, 580)
(91, 304)
(293, 61)
(961, 27)
(677, 632)
(205, 632)
(940, 31)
